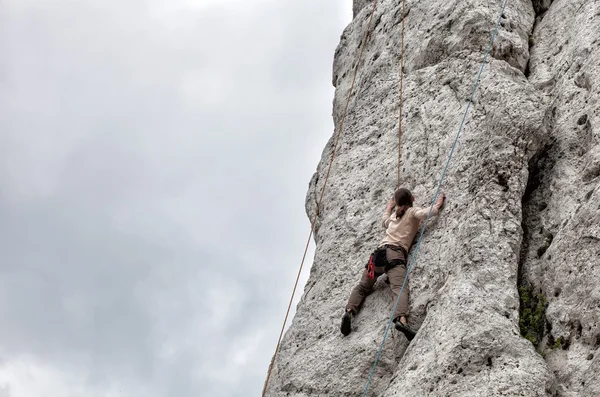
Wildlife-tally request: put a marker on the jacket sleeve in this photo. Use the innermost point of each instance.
(385, 219)
(421, 213)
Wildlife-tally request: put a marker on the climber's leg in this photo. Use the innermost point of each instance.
(396, 276)
(358, 295)
(360, 292)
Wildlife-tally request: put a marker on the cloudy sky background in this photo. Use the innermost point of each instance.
(154, 159)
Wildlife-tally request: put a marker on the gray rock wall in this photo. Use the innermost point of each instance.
(522, 212)
(561, 255)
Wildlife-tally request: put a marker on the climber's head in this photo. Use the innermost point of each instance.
(404, 199)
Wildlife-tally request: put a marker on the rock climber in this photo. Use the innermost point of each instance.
(391, 257)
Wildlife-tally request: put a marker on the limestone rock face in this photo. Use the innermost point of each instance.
(515, 250)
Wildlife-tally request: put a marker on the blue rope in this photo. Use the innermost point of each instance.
(437, 192)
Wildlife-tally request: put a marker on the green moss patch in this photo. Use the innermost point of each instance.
(532, 314)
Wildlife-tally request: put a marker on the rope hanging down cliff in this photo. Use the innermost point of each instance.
(416, 250)
(400, 101)
(333, 154)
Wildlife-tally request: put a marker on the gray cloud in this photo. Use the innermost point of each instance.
(154, 165)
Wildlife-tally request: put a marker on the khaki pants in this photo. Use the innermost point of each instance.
(396, 278)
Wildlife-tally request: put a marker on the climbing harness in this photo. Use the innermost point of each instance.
(437, 192)
(378, 259)
(335, 144)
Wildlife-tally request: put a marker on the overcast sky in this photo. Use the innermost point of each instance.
(154, 160)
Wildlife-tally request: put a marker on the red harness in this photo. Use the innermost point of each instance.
(371, 266)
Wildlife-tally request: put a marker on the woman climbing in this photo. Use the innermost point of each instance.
(391, 257)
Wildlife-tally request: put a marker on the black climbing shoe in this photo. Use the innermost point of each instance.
(409, 333)
(346, 327)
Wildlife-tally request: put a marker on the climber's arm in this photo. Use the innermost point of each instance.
(421, 213)
(385, 219)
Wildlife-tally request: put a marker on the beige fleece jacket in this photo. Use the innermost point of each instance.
(401, 232)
